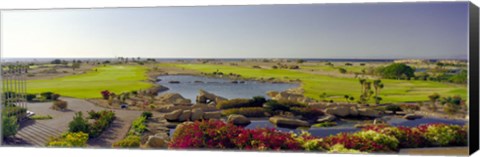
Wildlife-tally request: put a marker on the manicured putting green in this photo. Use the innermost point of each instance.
(336, 87)
(114, 78)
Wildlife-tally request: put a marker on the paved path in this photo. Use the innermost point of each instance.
(36, 132)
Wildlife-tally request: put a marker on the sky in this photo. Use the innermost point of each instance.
(349, 31)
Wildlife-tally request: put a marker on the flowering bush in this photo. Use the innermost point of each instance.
(204, 134)
(444, 135)
(265, 139)
(390, 141)
(217, 134)
(350, 141)
(407, 137)
(105, 94)
(69, 139)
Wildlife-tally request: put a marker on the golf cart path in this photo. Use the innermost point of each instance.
(118, 129)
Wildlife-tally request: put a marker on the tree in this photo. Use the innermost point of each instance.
(451, 104)
(56, 61)
(342, 70)
(433, 99)
(9, 126)
(377, 84)
(397, 71)
(75, 65)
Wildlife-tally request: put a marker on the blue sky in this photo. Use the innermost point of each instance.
(372, 30)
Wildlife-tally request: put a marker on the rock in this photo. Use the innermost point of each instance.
(326, 118)
(156, 142)
(206, 97)
(158, 80)
(341, 111)
(171, 98)
(288, 122)
(197, 81)
(238, 120)
(163, 128)
(197, 114)
(361, 125)
(412, 116)
(212, 115)
(174, 82)
(366, 112)
(174, 115)
(170, 107)
(155, 90)
(353, 111)
(185, 116)
(162, 135)
(234, 82)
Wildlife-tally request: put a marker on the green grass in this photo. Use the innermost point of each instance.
(336, 87)
(113, 78)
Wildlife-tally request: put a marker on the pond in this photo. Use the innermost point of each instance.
(347, 126)
(188, 86)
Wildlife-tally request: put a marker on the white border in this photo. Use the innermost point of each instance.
(49, 4)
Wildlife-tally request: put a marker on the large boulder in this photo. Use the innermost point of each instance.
(174, 115)
(171, 107)
(212, 115)
(206, 97)
(288, 122)
(238, 120)
(185, 116)
(341, 111)
(156, 89)
(157, 142)
(289, 96)
(326, 118)
(366, 112)
(172, 98)
(197, 114)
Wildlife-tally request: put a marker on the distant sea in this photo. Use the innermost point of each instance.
(11, 60)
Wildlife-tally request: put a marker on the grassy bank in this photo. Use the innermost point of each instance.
(88, 85)
(336, 87)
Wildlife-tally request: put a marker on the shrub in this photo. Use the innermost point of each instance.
(379, 138)
(246, 111)
(9, 126)
(274, 105)
(393, 108)
(138, 126)
(307, 112)
(353, 142)
(147, 114)
(38, 117)
(70, 139)
(59, 105)
(78, 124)
(47, 95)
(104, 121)
(217, 134)
(93, 115)
(238, 103)
(131, 141)
(30, 97)
(342, 70)
(444, 135)
(106, 94)
(407, 137)
(13, 110)
(338, 148)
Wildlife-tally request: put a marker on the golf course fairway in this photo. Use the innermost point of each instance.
(115, 78)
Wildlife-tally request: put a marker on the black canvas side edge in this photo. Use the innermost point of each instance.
(473, 79)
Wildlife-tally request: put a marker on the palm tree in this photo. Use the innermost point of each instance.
(377, 84)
